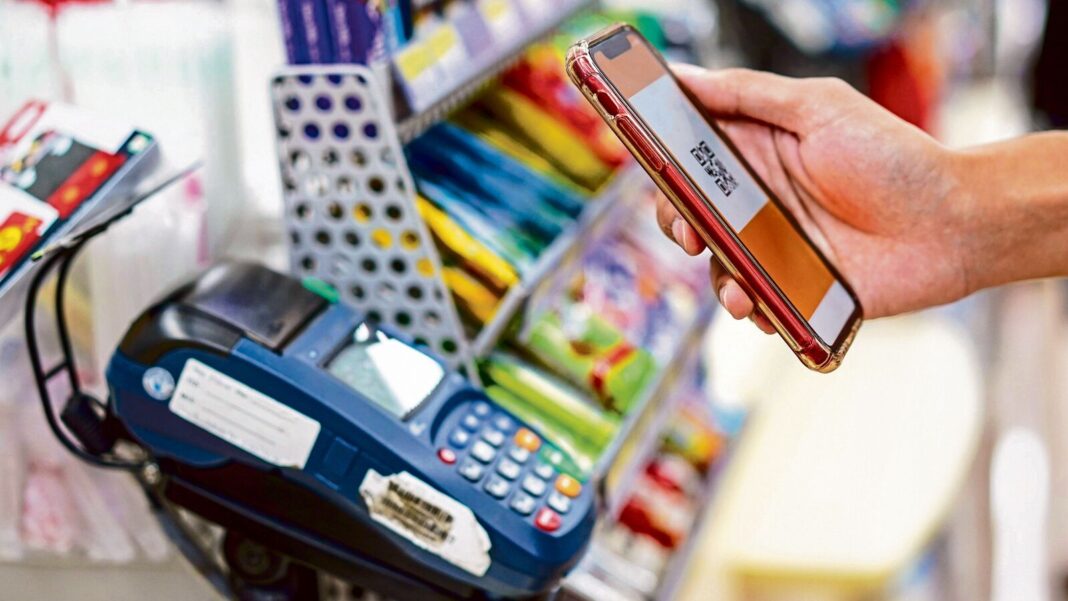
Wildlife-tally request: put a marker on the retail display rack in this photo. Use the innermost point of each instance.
(352, 220)
(439, 72)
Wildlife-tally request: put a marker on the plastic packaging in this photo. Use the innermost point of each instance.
(474, 255)
(592, 354)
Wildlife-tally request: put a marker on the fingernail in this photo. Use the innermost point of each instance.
(722, 294)
(678, 230)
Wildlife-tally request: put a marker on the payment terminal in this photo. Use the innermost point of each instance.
(275, 412)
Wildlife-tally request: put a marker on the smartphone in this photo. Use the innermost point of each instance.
(748, 229)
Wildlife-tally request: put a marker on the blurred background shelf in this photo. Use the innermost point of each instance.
(438, 73)
(965, 63)
(639, 436)
(685, 558)
(602, 215)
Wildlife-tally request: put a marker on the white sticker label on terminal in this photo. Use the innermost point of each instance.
(429, 518)
(242, 416)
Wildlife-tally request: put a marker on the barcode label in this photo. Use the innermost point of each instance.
(425, 519)
(428, 518)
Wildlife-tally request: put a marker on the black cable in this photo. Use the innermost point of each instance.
(66, 250)
(61, 315)
(38, 372)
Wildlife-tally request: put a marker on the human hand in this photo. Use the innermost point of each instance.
(878, 196)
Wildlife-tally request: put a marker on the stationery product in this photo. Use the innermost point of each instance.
(496, 135)
(306, 29)
(501, 237)
(462, 247)
(591, 353)
(472, 297)
(540, 78)
(295, 51)
(587, 427)
(533, 203)
(356, 33)
(55, 161)
(554, 140)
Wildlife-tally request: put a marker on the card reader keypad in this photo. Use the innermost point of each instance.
(502, 458)
(459, 438)
(483, 452)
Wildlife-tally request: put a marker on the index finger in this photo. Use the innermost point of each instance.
(773, 99)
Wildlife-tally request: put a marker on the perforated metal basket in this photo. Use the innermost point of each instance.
(350, 206)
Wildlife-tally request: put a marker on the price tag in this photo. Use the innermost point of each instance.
(428, 65)
(539, 12)
(503, 20)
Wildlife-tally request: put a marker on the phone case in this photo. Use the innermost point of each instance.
(690, 202)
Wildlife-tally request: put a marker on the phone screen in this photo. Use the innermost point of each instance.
(799, 271)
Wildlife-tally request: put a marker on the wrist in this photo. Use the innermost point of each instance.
(1010, 210)
(971, 218)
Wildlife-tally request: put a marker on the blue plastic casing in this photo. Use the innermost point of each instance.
(357, 436)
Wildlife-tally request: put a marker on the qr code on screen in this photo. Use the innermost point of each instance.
(714, 168)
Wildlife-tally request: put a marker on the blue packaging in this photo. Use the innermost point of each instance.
(296, 50)
(355, 30)
(316, 30)
(307, 31)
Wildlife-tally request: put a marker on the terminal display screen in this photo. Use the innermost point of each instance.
(395, 376)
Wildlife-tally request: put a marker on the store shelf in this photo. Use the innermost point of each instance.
(611, 205)
(623, 462)
(438, 73)
(584, 583)
(675, 573)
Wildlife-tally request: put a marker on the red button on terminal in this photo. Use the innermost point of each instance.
(547, 520)
(447, 456)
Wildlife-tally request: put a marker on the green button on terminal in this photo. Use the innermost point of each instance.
(321, 288)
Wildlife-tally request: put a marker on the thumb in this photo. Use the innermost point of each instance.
(756, 95)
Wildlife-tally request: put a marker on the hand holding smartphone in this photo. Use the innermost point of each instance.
(694, 163)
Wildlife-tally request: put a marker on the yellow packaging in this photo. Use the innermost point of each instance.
(498, 272)
(553, 140)
(476, 299)
(493, 134)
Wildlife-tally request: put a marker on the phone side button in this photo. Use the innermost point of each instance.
(648, 152)
(608, 103)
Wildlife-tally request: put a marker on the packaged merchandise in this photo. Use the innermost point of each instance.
(499, 137)
(692, 436)
(582, 346)
(540, 78)
(356, 33)
(553, 139)
(474, 299)
(620, 282)
(461, 247)
(566, 418)
(499, 180)
(54, 161)
(512, 245)
(306, 30)
(664, 506)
